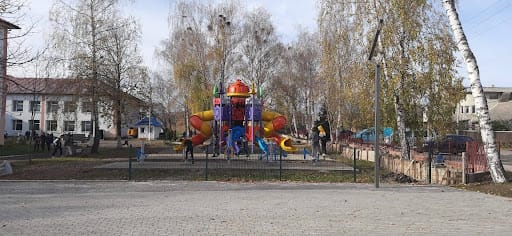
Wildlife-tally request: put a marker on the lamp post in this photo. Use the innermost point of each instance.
(256, 58)
(223, 24)
(377, 107)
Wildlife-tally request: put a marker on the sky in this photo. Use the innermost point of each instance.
(487, 24)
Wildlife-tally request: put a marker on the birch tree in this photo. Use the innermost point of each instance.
(488, 137)
(259, 48)
(82, 29)
(414, 75)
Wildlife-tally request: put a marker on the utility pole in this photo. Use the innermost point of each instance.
(223, 24)
(377, 107)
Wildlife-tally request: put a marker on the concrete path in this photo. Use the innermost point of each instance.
(214, 208)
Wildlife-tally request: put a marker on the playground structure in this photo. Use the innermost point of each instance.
(238, 118)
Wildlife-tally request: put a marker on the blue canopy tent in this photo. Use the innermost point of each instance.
(149, 129)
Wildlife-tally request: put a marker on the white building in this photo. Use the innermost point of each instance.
(61, 106)
(499, 102)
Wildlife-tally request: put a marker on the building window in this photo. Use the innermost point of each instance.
(69, 106)
(461, 109)
(17, 124)
(473, 110)
(52, 106)
(35, 106)
(86, 106)
(69, 126)
(51, 125)
(142, 130)
(466, 109)
(86, 126)
(17, 105)
(34, 124)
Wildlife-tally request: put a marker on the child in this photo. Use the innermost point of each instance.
(57, 146)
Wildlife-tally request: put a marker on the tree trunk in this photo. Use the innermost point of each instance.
(117, 120)
(96, 142)
(96, 139)
(493, 160)
(294, 122)
(400, 122)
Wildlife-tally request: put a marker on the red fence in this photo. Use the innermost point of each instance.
(476, 159)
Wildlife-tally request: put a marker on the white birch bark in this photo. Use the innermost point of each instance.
(400, 114)
(400, 121)
(294, 122)
(494, 163)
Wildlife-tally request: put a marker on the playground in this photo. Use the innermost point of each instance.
(238, 121)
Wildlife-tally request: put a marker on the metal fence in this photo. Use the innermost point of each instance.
(244, 167)
(476, 159)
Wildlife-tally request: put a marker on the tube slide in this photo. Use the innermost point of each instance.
(200, 122)
(285, 143)
(263, 146)
(272, 122)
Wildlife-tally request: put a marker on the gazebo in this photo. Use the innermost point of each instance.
(149, 128)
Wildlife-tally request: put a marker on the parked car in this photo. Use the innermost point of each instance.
(451, 143)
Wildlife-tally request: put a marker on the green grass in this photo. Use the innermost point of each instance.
(12, 148)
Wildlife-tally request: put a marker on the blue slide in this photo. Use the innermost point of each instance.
(262, 145)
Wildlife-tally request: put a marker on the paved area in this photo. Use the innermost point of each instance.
(216, 208)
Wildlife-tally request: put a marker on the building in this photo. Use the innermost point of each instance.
(5, 26)
(499, 102)
(60, 106)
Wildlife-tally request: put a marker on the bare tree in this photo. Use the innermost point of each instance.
(259, 48)
(121, 68)
(81, 30)
(493, 160)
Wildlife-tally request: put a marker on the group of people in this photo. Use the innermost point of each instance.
(45, 142)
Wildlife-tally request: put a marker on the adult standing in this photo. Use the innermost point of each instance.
(49, 140)
(189, 148)
(37, 142)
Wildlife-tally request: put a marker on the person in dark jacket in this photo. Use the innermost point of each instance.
(189, 148)
(49, 140)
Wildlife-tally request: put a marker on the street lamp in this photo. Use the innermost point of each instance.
(223, 24)
(377, 107)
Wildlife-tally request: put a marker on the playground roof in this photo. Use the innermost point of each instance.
(145, 121)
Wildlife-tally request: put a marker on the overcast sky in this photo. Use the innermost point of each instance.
(487, 25)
